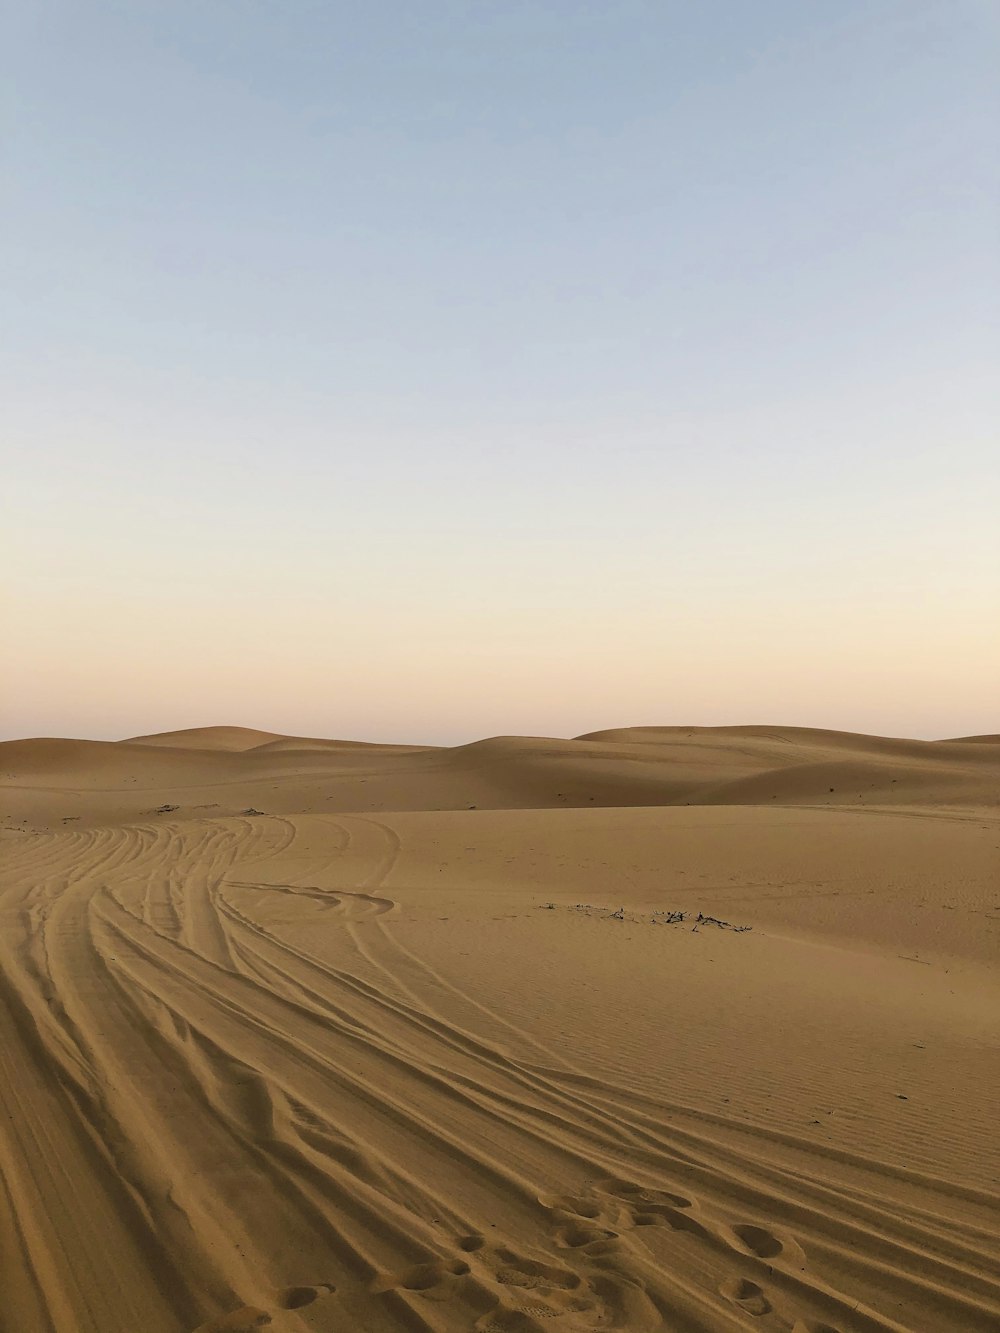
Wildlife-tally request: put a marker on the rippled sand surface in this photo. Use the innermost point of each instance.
(661, 1029)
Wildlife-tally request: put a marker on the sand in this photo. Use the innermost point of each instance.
(315, 1035)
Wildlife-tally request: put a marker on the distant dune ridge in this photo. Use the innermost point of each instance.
(320, 1035)
(628, 766)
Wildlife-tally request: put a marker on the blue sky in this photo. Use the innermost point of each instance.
(435, 370)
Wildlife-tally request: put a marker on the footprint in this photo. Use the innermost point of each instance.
(576, 1237)
(249, 1317)
(665, 1214)
(626, 1302)
(516, 1271)
(759, 1241)
(639, 1194)
(518, 1314)
(523, 1320)
(296, 1298)
(747, 1295)
(766, 1245)
(596, 1249)
(470, 1244)
(424, 1277)
(636, 1205)
(528, 1291)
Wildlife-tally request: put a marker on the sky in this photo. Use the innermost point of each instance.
(422, 372)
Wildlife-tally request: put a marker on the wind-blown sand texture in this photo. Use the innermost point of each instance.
(312, 1035)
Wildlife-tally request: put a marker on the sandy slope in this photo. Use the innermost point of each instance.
(372, 1059)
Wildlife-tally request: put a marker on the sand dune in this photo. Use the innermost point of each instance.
(209, 738)
(308, 1034)
(227, 768)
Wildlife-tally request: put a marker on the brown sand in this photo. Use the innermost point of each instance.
(418, 1048)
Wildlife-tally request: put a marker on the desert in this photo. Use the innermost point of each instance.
(662, 1028)
(499, 758)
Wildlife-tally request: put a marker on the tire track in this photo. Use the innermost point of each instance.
(216, 1123)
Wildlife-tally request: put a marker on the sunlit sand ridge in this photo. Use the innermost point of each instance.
(313, 1035)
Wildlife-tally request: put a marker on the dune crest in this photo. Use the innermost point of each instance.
(653, 1028)
(208, 738)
